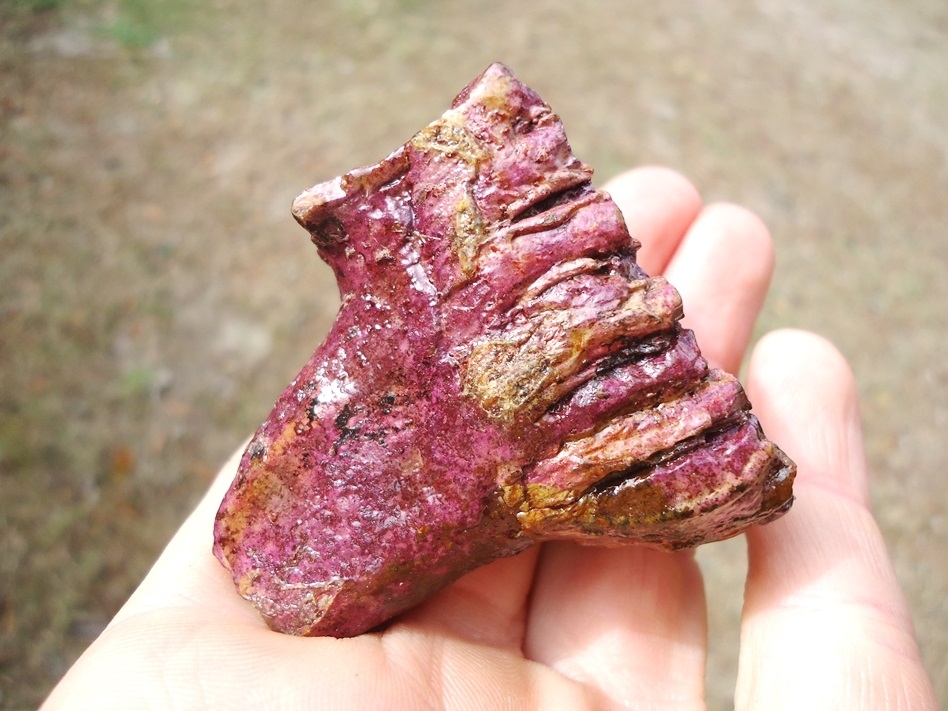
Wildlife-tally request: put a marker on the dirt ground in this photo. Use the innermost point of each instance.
(156, 295)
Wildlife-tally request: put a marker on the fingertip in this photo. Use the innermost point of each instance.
(722, 269)
(747, 232)
(806, 396)
(659, 204)
(651, 176)
(805, 346)
(780, 355)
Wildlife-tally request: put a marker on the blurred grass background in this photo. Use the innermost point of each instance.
(156, 295)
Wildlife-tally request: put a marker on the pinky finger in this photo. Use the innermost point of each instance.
(825, 623)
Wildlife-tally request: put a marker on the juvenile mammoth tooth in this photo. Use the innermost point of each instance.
(501, 372)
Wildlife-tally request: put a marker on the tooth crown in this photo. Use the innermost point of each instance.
(501, 372)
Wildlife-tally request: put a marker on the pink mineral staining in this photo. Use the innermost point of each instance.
(501, 372)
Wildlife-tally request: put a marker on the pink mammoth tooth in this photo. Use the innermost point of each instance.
(501, 372)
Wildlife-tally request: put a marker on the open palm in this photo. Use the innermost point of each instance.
(564, 626)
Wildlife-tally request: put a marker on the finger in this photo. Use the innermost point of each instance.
(825, 624)
(722, 270)
(628, 622)
(658, 205)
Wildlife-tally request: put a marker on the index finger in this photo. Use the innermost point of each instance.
(658, 205)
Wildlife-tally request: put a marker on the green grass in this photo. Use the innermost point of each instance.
(32, 5)
(141, 23)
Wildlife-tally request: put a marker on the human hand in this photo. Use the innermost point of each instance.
(565, 626)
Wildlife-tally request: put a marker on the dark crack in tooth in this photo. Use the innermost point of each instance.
(636, 437)
(726, 473)
(500, 372)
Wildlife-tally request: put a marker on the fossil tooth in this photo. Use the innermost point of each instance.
(501, 372)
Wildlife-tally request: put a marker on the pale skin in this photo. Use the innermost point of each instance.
(825, 624)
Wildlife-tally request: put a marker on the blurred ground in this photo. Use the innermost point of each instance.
(156, 295)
